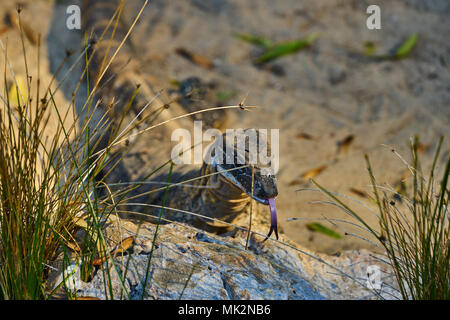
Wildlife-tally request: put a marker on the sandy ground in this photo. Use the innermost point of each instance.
(12, 59)
(318, 97)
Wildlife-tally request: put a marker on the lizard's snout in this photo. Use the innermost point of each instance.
(265, 187)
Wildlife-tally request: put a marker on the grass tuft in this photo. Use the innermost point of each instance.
(49, 185)
(415, 239)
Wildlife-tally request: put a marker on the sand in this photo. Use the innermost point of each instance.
(318, 97)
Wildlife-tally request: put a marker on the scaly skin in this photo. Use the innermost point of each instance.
(216, 196)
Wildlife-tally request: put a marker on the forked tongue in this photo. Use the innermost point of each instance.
(273, 218)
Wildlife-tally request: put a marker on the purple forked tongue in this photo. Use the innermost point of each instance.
(273, 218)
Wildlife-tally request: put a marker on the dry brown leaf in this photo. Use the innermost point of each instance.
(358, 192)
(343, 144)
(294, 182)
(195, 58)
(306, 136)
(123, 246)
(98, 262)
(310, 174)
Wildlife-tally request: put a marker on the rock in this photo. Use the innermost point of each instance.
(96, 286)
(193, 264)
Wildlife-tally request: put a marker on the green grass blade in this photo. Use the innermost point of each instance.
(405, 49)
(285, 48)
(320, 228)
(254, 39)
(161, 212)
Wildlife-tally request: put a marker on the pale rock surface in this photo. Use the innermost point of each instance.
(192, 264)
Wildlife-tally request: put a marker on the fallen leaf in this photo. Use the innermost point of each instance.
(358, 192)
(294, 182)
(98, 262)
(343, 144)
(306, 136)
(123, 246)
(310, 174)
(320, 228)
(195, 58)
